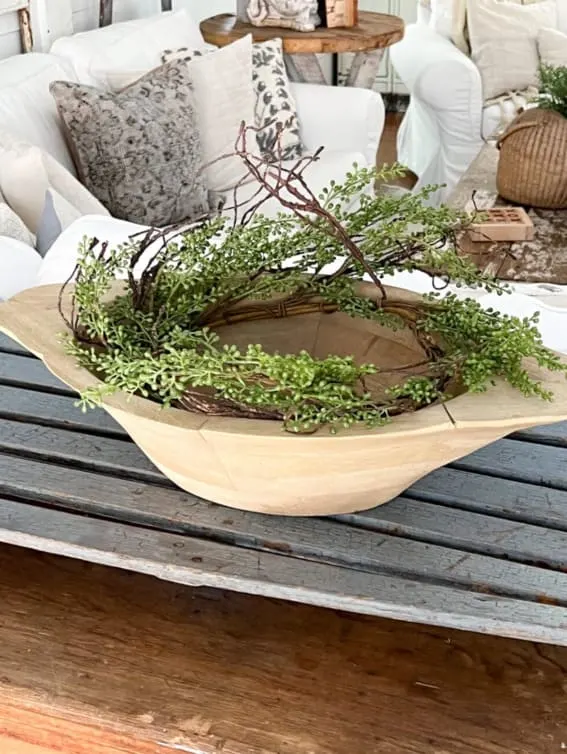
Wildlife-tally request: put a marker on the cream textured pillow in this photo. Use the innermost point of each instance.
(13, 226)
(503, 38)
(26, 174)
(552, 47)
(132, 47)
(224, 98)
(274, 102)
(222, 83)
(138, 150)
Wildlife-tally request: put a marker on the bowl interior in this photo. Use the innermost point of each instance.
(396, 353)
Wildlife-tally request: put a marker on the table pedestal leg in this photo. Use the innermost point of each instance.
(364, 69)
(305, 68)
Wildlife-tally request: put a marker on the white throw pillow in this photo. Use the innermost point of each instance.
(503, 38)
(552, 47)
(13, 226)
(132, 47)
(19, 265)
(26, 174)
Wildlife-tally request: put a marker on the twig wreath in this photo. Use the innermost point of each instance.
(160, 336)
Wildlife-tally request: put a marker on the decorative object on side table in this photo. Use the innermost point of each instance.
(293, 389)
(340, 13)
(301, 15)
(532, 168)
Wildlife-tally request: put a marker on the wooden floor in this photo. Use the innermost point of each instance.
(99, 661)
(387, 150)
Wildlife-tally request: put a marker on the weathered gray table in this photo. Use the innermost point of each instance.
(481, 544)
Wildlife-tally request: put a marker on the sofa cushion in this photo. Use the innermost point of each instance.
(503, 37)
(552, 46)
(26, 106)
(132, 46)
(61, 259)
(139, 150)
(331, 166)
(275, 106)
(58, 214)
(448, 18)
(27, 172)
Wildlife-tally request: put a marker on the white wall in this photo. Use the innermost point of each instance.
(85, 15)
(85, 12)
(9, 35)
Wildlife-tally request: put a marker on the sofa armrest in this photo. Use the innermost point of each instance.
(439, 75)
(342, 119)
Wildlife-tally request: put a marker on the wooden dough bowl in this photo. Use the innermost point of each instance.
(254, 464)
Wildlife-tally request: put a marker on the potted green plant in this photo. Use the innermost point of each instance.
(253, 364)
(532, 165)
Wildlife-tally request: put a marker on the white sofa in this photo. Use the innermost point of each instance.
(347, 122)
(448, 120)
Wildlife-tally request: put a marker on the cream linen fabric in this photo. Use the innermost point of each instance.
(27, 172)
(552, 46)
(224, 97)
(13, 226)
(19, 266)
(503, 37)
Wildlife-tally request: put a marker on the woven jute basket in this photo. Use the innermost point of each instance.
(532, 169)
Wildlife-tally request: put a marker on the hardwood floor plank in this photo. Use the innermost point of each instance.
(98, 661)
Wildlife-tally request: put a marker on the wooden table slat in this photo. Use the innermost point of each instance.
(495, 496)
(458, 490)
(521, 461)
(26, 372)
(55, 410)
(434, 554)
(199, 563)
(7, 345)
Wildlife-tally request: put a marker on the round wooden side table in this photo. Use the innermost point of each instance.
(368, 40)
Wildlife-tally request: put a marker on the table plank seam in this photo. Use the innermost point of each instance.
(84, 429)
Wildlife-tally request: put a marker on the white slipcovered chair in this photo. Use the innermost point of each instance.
(448, 119)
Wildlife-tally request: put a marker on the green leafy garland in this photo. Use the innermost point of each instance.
(159, 336)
